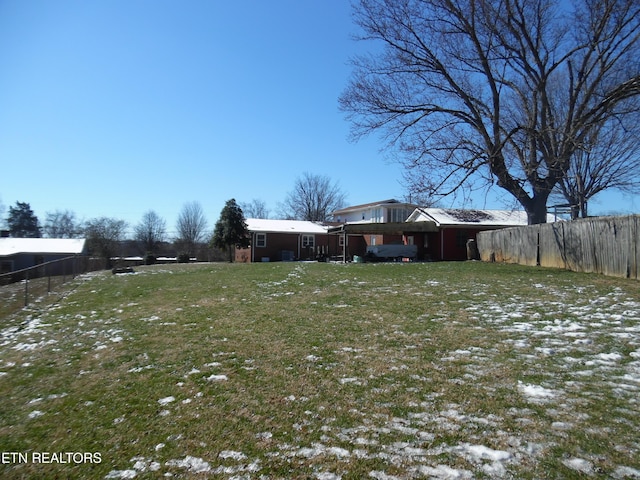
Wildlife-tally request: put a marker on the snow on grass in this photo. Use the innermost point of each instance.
(466, 383)
(536, 392)
(191, 464)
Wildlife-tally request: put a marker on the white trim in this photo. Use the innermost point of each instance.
(263, 236)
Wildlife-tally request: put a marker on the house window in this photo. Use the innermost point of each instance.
(397, 215)
(308, 241)
(261, 240)
(372, 240)
(341, 241)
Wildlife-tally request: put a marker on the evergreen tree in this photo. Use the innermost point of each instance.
(231, 229)
(23, 222)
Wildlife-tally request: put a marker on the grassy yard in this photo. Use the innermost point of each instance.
(327, 371)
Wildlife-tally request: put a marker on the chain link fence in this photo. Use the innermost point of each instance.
(19, 288)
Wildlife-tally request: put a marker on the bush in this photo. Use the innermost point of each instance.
(149, 259)
(183, 258)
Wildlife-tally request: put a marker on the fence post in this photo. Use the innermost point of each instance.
(26, 288)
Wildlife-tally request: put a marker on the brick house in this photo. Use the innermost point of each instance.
(286, 240)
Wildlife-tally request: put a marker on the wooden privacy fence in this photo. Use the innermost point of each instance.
(607, 245)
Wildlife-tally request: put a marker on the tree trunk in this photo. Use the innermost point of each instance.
(537, 210)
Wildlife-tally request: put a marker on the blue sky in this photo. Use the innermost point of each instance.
(113, 107)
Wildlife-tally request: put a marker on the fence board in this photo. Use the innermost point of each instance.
(551, 245)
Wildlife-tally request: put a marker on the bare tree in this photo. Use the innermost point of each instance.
(104, 237)
(493, 91)
(608, 160)
(151, 231)
(255, 209)
(191, 226)
(62, 224)
(313, 198)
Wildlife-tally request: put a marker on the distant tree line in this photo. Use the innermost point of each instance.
(313, 198)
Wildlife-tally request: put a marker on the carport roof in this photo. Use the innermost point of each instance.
(397, 228)
(41, 246)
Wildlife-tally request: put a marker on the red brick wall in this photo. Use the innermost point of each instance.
(277, 243)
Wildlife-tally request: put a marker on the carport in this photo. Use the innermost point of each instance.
(404, 229)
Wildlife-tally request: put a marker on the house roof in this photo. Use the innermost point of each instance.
(262, 225)
(41, 246)
(472, 217)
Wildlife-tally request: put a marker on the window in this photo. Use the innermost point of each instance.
(372, 240)
(341, 241)
(397, 215)
(261, 240)
(308, 241)
(376, 215)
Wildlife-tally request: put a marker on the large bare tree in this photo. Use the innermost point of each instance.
(313, 198)
(499, 91)
(151, 231)
(191, 226)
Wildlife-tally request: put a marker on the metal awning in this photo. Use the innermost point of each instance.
(396, 228)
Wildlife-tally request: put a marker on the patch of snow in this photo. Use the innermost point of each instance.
(327, 476)
(193, 464)
(579, 464)
(232, 454)
(609, 357)
(350, 380)
(122, 474)
(217, 378)
(536, 391)
(626, 472)
(481, 452)
(166, 400)
(444, 472)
